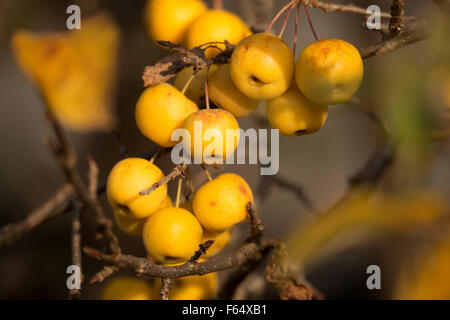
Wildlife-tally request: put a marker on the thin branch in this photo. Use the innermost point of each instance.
(67, 160)
(327, 7)
(397, 13)
(57, 204)
(256, 224)
(105, 273)
(166, 285)
(203, 248)
(74, 294)
(178, 170)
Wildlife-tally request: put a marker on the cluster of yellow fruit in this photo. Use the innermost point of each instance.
(173, 234)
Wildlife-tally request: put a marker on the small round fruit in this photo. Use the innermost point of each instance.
(169, 20)
(222, 202)
(329, 71)
(125, 288)
(196, 89)
(294, 114)
(160, 110)
(262, 66)
(172, 234)
(221, 240)
(208, 129)
(226, 95)
(131, 226)
(127, 179)
(216, 26)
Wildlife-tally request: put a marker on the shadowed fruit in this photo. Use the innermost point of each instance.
(221, 240)
(129, 177)
(226, 95)
(208, 130)
(133, 226)
(172, 235)
(222, 202)
(329, 71)
(294, 114)
(125, 288)
(169, 20)
(160, 110)
(216, 26)
(262, 66)
(192, 287)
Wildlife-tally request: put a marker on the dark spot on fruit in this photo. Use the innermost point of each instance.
(243, 190)
(325, 51)
(213, 204)
(300, 132)
(256, 81)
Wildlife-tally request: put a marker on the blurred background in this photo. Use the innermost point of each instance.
(409, 89)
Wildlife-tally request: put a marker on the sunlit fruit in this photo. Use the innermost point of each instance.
(329, 71)
(126, 288)
(262, 66)
(172, 234)
(208, 129)
(294, 114)
(222, 202)
(169, 20)
(127, 179)
(160, 110)
(226, 95)
(216, 26)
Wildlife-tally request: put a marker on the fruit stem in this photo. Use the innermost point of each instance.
(218, 4)
(286, 20)
(156, 155)
(207, 172)
(310, 22)
(280, 13)
(186, 86)
(206, 89)
(180, 183)
(297, 16)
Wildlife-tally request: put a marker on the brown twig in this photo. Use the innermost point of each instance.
(327, 7)
(105, 273)
(202, 250)
(74, 294)
(178, 170)
(397, 13)
(257, 227)
(166, 285)
(67, 160)
(57, 204)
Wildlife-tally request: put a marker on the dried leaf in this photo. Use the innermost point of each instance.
(75, 71)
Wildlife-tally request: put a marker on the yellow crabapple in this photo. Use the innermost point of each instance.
(127, 179)
(294, 114)
(160, 110)
(329, 71)
(172, 234)
(226, 95)
(222, 202)
(169, 20)
(262, 66)
(214, 135)
(216, 26)
(127, 288)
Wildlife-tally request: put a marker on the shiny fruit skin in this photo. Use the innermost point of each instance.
(262, 66)
(133, 226)
(172, 235)
(127, 179)
(222, 202)
(126, 288)
(226, 95)
(329, 71)
(294, 114)
(160, 110)
(216, 26)
(211, 119)
(221, 240)
(169, 20)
